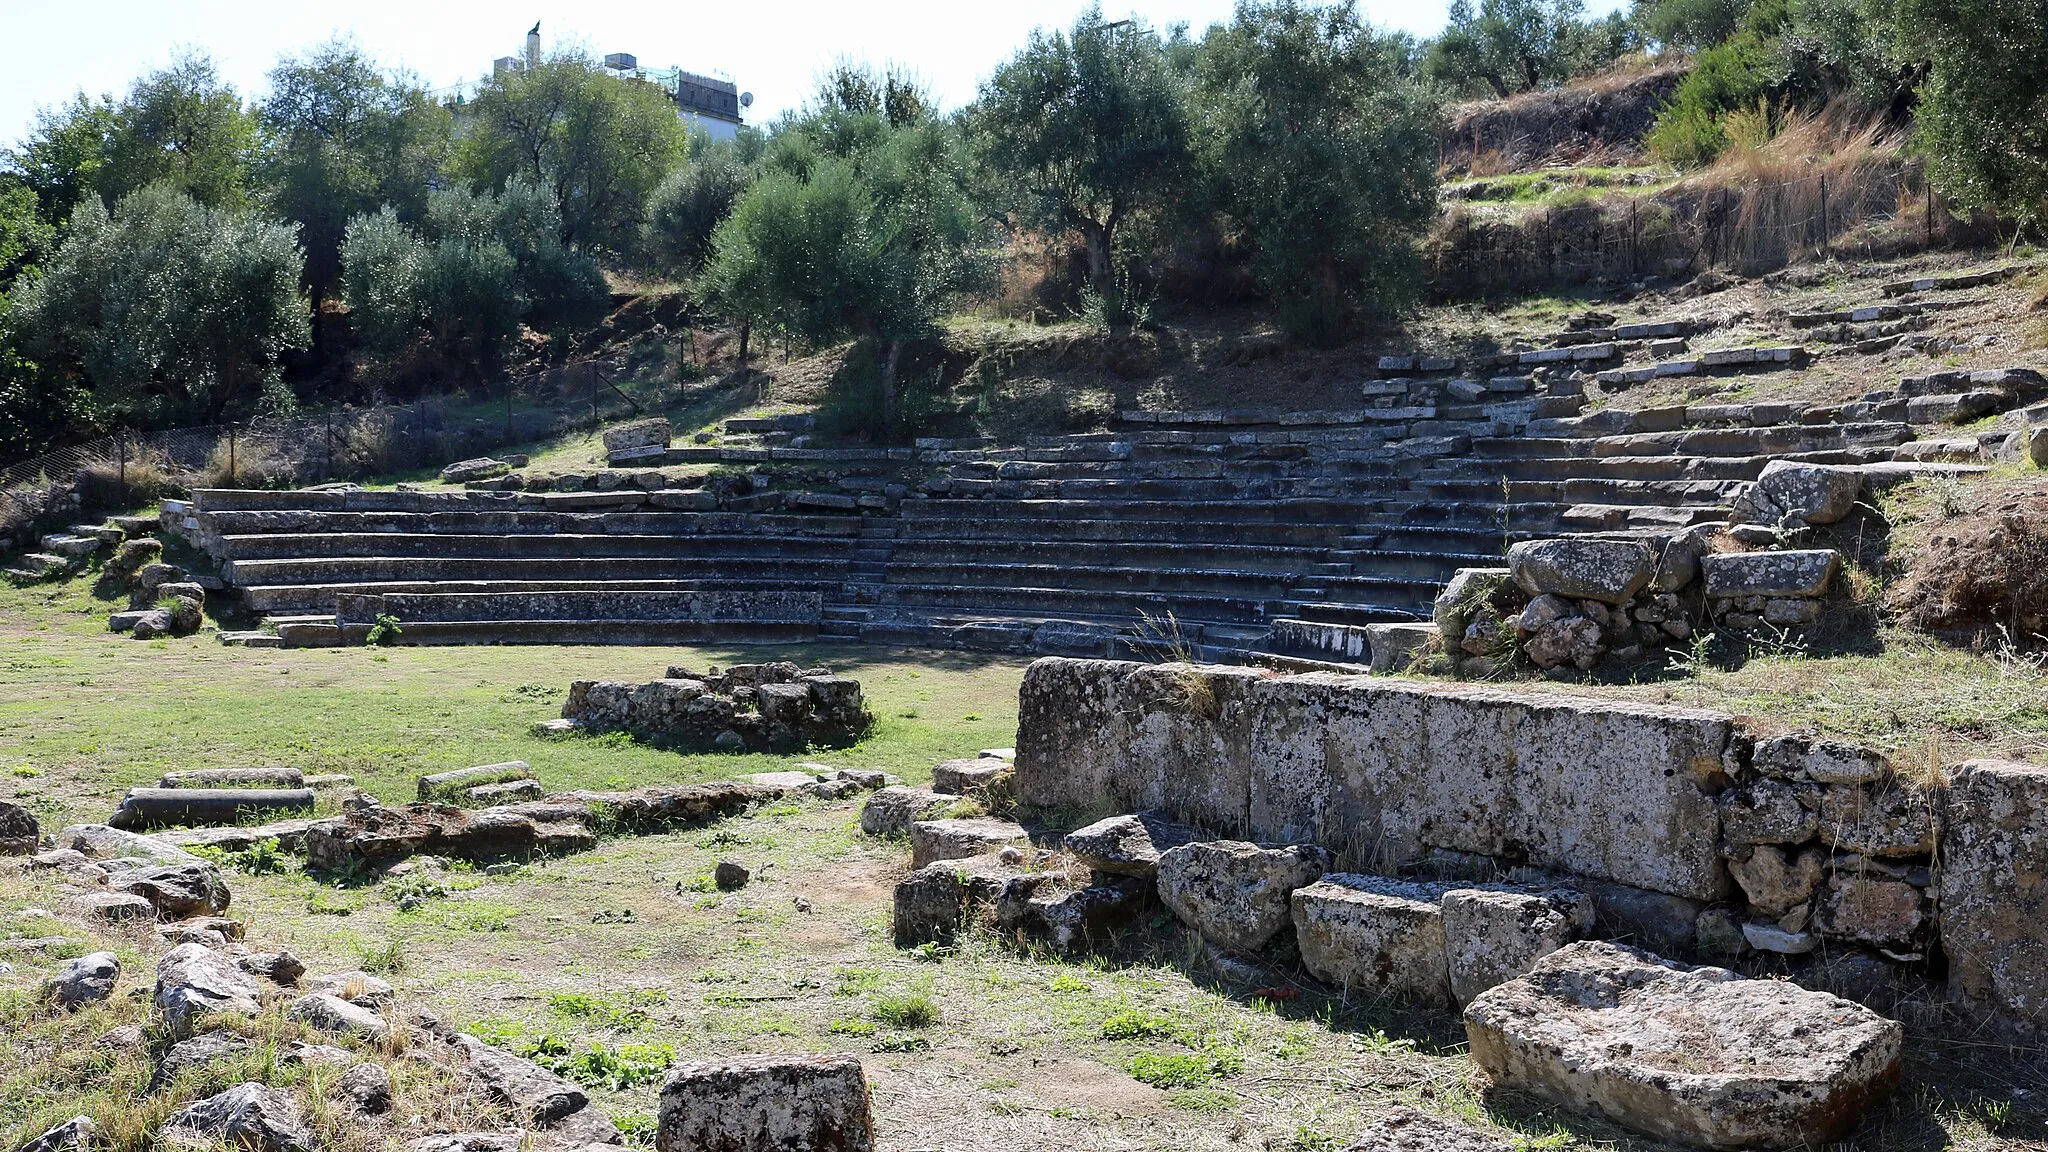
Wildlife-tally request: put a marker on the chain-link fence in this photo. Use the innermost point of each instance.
(127, 469)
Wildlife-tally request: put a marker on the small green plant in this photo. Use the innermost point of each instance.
(385, 631)
(1181, 1069)
(1135, 1024)
(1307, 1139)
(383, 959)
(852, 1026)
(263, 858)
(1067, 982)
(911, 1008)
(637, 1127)
(413, 890)
(1204, 1101)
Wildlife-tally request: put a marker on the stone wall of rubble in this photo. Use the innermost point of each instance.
(1693, 834)
(776, 707)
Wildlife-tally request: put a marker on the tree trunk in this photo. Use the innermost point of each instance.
(891, 403)
(1097, 238)
(746, 333)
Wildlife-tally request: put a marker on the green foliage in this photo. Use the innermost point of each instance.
(61, 159)
(859, 227)
(1983, 107)
(689, 205)
(1084, 130)
(1135, 1024)
(386, 630)
(596, 143)
(344, 138)
(1324, 154)
(478, 267)
(1182, 1069)
(383, 959)
(1509, 46)
(1734, 75)
(1692, 25)
(168, 309)
(909, 1008)
(263, 858)
(183, 127)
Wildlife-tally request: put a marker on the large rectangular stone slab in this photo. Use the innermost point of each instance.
(1994, 889)
(1386, 770)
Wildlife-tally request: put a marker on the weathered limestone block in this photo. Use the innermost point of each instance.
(19, 834)
(1128, 845)
(766, 1104)
(891, 811)
(1493, 934)
(1572, 641)
(1777, 880)
(935, 840)
(86, 980)
(355, 987)
(112, 907)
(1468, 591)
(1236, 894)
(103, 843)
(651, 433)
(1872, 908)
(169, 807)
(1772, 575)
(1768, 811)
(966, 777)
(936, 901)
(1696, 1056)
(1817, 761)
(176, 891)
(437, 785)
(1375, 935)
(1045, 908)
(1613, 791)
(250, 1116)
(529, 1090)
(1409, 1130)
(1892, 818)
(193, 981)
(1393, 647)
(1996, 930)
(331, 1013)
(1815, 493)
(73, 1135)
(1583, 568)
(235, 778)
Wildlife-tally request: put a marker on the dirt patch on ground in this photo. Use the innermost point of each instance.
(1977, 568)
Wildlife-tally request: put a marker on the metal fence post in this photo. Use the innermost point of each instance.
(231, 455)
(121, 441)
(1824, 215)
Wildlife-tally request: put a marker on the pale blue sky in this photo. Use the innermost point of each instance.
(52, 48)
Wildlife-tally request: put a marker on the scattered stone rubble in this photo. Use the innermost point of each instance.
(208, 976)
(776, 707)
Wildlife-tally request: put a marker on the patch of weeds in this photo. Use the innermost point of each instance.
(723, 838)
(603, 820)
(715, 976)
(381, 959)
(411, 891)
(854, 981)
(901, 1044)
(909, 1008)
(1202, 1101)
(637, 1127)
(783, 810)
(615, 740)
(1068, 982)
(852, 1026)
(1136, 1024)
(321, 902)
(1307, 1139)
(929, 952)
(624, 1012)
(972, 716)
(620, 1068)
(263, 858)
(535, 692)
(1182, 1069)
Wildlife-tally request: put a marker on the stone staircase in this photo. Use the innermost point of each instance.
(1223, 534)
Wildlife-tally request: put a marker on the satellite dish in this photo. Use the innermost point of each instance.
(746, 99)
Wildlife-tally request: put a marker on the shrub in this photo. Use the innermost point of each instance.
(912, 1008)
(385, 631)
